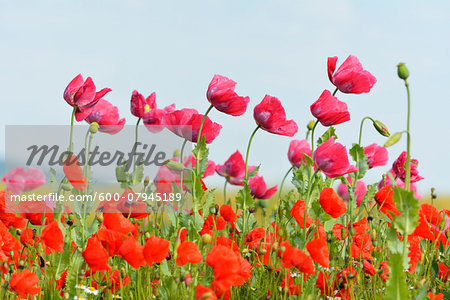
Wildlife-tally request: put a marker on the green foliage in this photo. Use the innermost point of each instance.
(409, 208)
(357, 153)
(396, 288)
(328, 134)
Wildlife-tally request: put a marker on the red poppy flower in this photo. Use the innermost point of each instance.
(376, 155)
(234, 169)
(186, 124)
(287, 283)
(74, 173)
(338, 229)
(83, 93)
(432, 296)
(181, 234)
(156, 250)
(297, 151)
(399, 168)
(213, 222)
(293, 257)
(153, 120)
(6, 213)
(444, 272)
(384, 267)
(230, 269)
(258, 188)
(385, 201)
(96, 256)
(298, 212)
(350, 77)
(37, 212)
(114, 220)
(318, 249)
(111, 240)
(331, 158)
(415, 252)
(369, 268)
(187, 252)
(331, 203)
(131, 206)
(139, 105)
(227, 212)
(224, 241)
(329, 110)
(256, 233)
(221, 94)
(106, 116)
(322, 283)
(204, 293)
(52, 237)
(24, 284)
(271, 117)
(19, 180)
(423, 228)
(132, 252)
(26, 238)
(8, 244)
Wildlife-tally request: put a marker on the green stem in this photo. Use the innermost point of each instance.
(282, 182)
(199, 137)
(135, 143)
(248, 151)
(335, 91)
(311, 184)
(71, 127)
(312, 136)
(408, 141)
(361, 128)
(225, 192)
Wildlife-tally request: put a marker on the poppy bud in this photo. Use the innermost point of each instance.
(311, 124)
(187, 279)
(343, 233)
(100, 218)
(147, 235)
(173, 165)
(352, 230)
(66, 296)
(146, 181)
(262, 251)
(370, 218)
(69, 222)
(212, 210)
(176, 153)
(66, 187)
(402, 71)
(18, 231)
(217, 207)
(282, 249)
(206, 239)
(275, 247)
(251, 210)
(421, 283)
(93, 128)
(381, 128)
(21, 264)
(373, 235)
(263, 203)
(393, 139)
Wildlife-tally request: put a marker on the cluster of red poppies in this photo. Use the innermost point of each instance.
(318, 242)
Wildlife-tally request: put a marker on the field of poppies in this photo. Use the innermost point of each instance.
(334, 236)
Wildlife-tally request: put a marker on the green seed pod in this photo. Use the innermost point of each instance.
(93, 128)
(174, 165)
(381, 128)
(146, 181)
(311, 124)
(275, 247)
(66, 187)
(402, 71)
(393, 139)
(206, 239)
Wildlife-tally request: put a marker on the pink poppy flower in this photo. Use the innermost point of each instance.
(399, 169)
(332, 159)
(350, 77)
(83, 94)
(297, 151)
(271, 117)
(186, 123)
(234, 169)
(221, 94)
(329, 110)
(19, 180)
(141, 105)
(156, 117)
(398, 182)
(258, 188)
(360, 191)
(107, 117)
(377, 156)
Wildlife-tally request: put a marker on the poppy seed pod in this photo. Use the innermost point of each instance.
(402, 71)
(381, 128)
(393, 139)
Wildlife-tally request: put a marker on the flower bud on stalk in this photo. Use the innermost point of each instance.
(393, 139)
(206, 239)
(402, 71)
(310, 125)
(381, 128)
(174, 165)
(93, 128)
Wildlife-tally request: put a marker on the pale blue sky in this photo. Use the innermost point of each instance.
(269, 47)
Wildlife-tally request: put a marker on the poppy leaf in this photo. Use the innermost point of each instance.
(396, 288)
(328, 134)
(409, 209)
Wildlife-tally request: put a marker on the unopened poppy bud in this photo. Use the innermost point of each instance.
(275, 247)
(245, 251)
(212, 210)
(93, 128)
(373, 235)
(402, 71)
(343, 233)
(217, 207)
(262, 251)
(21, 264)
(421, 283)
(18, 231)
(381, 128)
(187, 279)
(282, 249)
(207, 295)
(352, 230)
(206, 239)
(66, 296)
(393, 139)
(147, 235)
(311, 124)
(146, 181)
(176, 153)
(66, 187)
(100, 218)
(251, 210)
(174, 165)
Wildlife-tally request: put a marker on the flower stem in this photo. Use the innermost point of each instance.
(408, 141)
(248, 151)
(225, 192)
(199, 137)
(282, 182)
(312, 136)
(361, 128)
(335, 91)
(135, 143)
(71, 127)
